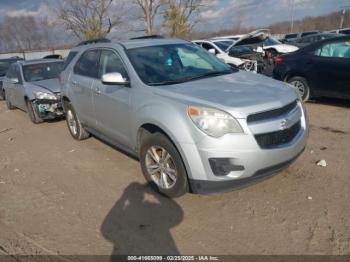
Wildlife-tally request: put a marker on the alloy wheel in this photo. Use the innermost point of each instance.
(72, 123)
(161, 168)
(300, 87)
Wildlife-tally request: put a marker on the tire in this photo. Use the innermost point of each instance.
(73, 123)
(2, 94)
(9, 104)
(33, 114)
(169, 174)
(302, 86)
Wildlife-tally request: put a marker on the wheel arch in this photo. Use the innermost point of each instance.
(153, 128)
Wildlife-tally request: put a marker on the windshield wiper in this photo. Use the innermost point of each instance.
(192, 78)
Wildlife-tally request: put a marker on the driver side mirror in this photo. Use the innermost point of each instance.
(114, 79)
(14, 80)
(212, 51)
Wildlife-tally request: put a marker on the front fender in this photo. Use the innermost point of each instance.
(172, 118)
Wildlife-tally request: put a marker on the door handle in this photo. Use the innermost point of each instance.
(97, 90)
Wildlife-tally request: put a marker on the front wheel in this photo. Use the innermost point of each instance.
(33, 114)
(302, 86)
(2, 94)
(9, 104)
(162, 165)
(74, 126)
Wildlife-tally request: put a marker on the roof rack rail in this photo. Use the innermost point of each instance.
(94, 41)
(148, 37)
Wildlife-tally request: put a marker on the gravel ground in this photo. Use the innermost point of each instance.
(59, 196)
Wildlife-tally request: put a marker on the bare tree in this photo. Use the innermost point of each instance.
(89, 19)
(181, 16)
(150, 9)
(21, 32)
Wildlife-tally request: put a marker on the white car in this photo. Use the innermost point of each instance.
(262, 38)
(220, 47)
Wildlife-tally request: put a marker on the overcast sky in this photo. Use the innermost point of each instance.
(221, 13)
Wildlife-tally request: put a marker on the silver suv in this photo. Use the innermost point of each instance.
(195, 124)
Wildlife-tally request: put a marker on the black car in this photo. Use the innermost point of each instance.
(320, 69)
(310, 39)
(4, 66)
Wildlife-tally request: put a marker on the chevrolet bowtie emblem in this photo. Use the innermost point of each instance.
(284, 124)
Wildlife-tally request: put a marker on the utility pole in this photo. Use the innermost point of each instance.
(342, 18)
(292, 17)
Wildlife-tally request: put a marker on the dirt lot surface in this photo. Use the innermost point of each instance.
(59, 196)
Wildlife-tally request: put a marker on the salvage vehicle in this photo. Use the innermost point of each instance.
(33, 87)
(310, 39)
(219, 47)
(259, 46)
(4, 67)
(261, 40)
(196, 124)
(320, 69)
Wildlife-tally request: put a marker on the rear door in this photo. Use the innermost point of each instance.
(330, 66)
(81, 82)
(112, 102)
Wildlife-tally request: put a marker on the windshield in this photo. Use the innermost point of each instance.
(38, 72)
(271, 41)
(224, 45)
(176, 63)
(4, 66)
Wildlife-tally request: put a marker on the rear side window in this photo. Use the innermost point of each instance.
(69, 59)
(87, 64)
(337, 49)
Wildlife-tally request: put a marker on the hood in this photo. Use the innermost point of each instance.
(283, 48)
(52, 85)
(241, 93)
(258, 34)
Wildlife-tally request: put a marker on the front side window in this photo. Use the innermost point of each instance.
(4, 66)
(337, 49)
(11, 73)
(87, 64)
(42, 71)
(110, 62)
(176, 63)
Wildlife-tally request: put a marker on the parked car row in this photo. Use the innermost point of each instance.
(319, 68)
(195, 123)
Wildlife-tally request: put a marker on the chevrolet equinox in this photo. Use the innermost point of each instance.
(195, 124)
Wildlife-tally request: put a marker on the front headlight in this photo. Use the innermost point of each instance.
(44, 96)
(214, 122)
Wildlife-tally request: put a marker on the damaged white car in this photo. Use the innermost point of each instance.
(260, 46)
(220, 47)
(33, 87)
(262, 38)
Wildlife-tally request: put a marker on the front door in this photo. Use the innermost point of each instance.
(112, 102)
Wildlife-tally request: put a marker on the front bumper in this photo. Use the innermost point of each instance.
(250, 162)
(207, 187)
(49, 109)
